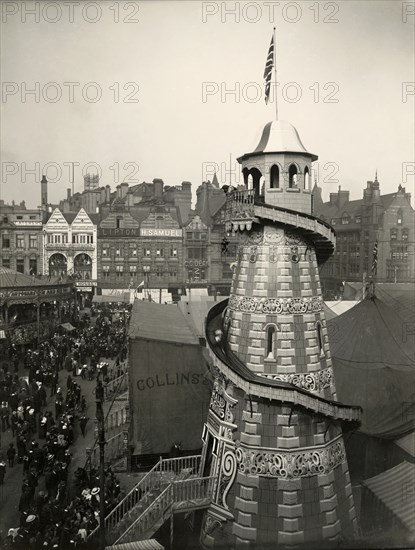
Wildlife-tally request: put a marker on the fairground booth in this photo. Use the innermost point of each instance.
(32, 308)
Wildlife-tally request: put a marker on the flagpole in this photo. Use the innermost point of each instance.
(275, 75)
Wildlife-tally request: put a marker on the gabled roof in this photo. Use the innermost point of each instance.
(160, 322)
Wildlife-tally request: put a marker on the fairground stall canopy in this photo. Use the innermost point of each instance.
(374, 365)
(31, 307)
(170, 386)
(372, 351)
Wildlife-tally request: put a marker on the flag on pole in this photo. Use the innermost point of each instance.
(141, 284)
(269, 65)
(375, 259)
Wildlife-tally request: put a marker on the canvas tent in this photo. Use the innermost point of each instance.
(170, 385)
(374, 367)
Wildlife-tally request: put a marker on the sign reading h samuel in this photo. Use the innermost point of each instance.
(150, 232)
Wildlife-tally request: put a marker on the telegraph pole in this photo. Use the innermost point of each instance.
(99, 398)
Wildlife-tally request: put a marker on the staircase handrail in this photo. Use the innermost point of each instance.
(162, 466)
(167, 495)
(200, 488)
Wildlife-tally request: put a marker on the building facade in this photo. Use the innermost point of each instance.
(70, 249)
(21, 238)
(388, 220)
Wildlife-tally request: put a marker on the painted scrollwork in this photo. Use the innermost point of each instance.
(313, 381)
(218, 404)
(229, 469)
(289, 465)
(296, 306)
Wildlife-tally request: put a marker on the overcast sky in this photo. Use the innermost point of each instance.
(165, 72)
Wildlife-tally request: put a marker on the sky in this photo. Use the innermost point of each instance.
(174, 90)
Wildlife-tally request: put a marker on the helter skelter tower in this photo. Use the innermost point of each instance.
(273, 439)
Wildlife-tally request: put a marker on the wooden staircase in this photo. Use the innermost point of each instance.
(171, 486)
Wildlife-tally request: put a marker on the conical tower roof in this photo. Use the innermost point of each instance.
(279, 136)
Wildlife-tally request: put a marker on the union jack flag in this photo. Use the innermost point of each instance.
(268, 69)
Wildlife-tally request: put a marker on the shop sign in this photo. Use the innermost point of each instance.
(152, 232)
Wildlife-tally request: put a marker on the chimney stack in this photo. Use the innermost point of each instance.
(44, 191)
(158, 188)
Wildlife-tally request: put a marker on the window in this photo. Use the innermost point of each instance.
(333, 221)
(6, 262)
(345, 220)
(19, 241)
(133, 252)
(274, 177)
(159, 272)
(159, 252)
(405, 234)
(271, 330)
(307, 179)
(6, 241)
(118, 223)
(106, 251)
(196, 253)
(32, 217)
(106, 271)
(20, 265)
(173, 252)
(19, 217)
(394, 234)
(358, 219)
(118, 253)
(133, 270)
(33, 266)
(292, 173)
(32, 241)
(147, 252)
(119, 269)
(399, 217)
(320, 336)
(173, 274)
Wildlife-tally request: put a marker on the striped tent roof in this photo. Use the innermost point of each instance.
(395, 488)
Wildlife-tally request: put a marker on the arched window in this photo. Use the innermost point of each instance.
(292, 173)
(320, 338)
(274, 177)
(307, 179)
(270, 341)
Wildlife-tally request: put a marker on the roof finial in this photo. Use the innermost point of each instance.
(376, 175)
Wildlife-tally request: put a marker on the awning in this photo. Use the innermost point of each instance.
(149, 544)
(68, 327)
(125, 298)
(395, 488)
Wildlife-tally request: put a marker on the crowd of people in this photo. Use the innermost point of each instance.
(56, 512)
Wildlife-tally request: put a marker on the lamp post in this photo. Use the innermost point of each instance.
(99, 398)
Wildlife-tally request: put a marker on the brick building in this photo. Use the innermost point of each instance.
(140, 237)
(21, 238)
(387, 219)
